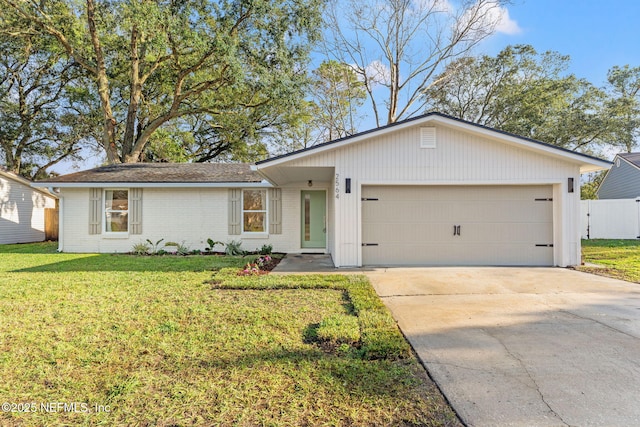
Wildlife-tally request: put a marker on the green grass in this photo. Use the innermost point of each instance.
(617, 258)
(160, 341)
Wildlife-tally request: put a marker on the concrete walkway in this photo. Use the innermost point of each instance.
(314, 264)
(523, 346)
(305, 263)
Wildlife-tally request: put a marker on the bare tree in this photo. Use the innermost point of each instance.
(397, 47)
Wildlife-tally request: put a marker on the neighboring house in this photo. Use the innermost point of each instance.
(22, 209)
(623, 179)
(432, 190)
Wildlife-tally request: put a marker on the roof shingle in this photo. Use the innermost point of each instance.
(163, 173)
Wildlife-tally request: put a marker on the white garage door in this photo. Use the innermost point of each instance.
(456, 225)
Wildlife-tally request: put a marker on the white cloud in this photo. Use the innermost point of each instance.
(378, 73)
(506, 25)
(487, 15)
(434, 5)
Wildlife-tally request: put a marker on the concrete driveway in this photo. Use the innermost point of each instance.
(523, 346)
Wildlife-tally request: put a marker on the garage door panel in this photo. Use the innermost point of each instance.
(450, 254)
(499, 225)
(407, 233)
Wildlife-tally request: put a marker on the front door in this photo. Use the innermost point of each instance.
(314, 219)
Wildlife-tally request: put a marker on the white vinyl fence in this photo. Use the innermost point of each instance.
(610, 219)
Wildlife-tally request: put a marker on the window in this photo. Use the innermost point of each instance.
(254, 211)
(116, 211)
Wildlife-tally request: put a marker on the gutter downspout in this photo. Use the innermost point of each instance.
(56, 191)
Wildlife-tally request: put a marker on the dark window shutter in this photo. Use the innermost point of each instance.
(275, 211)
(235, 211)
(135, 214)
(95, 210)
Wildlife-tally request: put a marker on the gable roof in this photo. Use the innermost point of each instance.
(159, 174)
(17, 178)
(591, 163)
(633, 158)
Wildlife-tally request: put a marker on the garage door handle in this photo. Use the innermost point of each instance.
(456, 230)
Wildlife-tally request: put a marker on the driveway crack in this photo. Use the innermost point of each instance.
(591, 319)
(536, 387)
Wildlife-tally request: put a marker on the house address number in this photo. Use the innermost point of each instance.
(337, 186)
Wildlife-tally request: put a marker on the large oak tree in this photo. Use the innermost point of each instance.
(39, 125)
(237, 65)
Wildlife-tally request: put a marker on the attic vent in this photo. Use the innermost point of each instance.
(428, 137)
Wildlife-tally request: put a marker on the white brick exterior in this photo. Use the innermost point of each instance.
(191, 215)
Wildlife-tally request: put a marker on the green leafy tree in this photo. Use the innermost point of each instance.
(623, 107)
(154, 64)
(525, 93)
(589, 188)
(39, 126)
(337, 94)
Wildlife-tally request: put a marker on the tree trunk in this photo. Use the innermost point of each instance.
(134, 97)
(109, 130)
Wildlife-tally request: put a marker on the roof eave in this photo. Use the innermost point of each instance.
(628, 161)
(26, 182)
(53, 184)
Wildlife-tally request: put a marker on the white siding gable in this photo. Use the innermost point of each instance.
(21, 212)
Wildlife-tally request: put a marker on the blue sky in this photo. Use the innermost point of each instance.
(596, 34)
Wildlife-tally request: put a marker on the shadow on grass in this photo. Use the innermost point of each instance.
(30, 248)
(391, 378)
(131, 263)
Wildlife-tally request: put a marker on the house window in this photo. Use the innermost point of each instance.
(116, 211)
(254, 211)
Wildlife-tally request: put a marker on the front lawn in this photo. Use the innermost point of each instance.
(615, 258)
(89, 339)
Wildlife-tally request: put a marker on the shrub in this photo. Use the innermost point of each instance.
(181, 248)
(339, 329)
(154, 246)
(141, 248)
(211, 244)
(266, 249)
(234, 248)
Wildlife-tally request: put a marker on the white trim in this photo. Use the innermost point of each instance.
(325, 248)
(462, 183)
(263, 184)
(617, 159)
(254, 235)
(60, 223)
